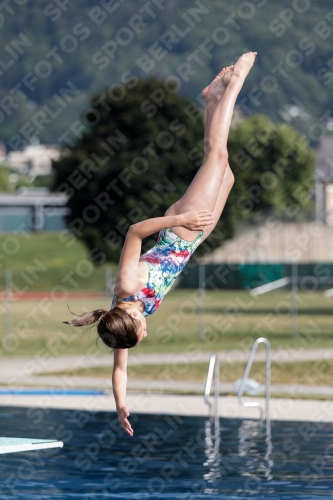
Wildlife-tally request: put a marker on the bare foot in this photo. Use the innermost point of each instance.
(216, 89)
(243, 65)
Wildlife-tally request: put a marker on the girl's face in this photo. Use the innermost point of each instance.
(142, 332)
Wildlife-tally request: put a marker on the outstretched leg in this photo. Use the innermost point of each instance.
(207, 186)
(228, 178)
(212, 95)
(212, 98)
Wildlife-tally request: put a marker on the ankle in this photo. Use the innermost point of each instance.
(236, 83)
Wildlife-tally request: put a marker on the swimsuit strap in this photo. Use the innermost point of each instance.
(118, 298)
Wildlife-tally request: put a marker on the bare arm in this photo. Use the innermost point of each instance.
(151, 226)
(130, 255)
(119, 381)
(195, 221)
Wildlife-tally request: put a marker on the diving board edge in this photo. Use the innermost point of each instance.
(13, 445)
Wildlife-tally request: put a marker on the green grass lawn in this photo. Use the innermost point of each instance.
(40, 262)
(233, 320)
(305, 373)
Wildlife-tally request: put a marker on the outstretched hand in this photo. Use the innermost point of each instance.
(196, 221)
(123, 415)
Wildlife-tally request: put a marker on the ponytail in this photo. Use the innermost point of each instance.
(116, 327)
(88, 318)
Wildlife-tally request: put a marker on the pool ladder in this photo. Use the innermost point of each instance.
(214, 369)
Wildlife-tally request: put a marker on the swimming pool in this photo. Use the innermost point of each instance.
(169, 457)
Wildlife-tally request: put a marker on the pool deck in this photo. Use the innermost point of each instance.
(148, 396)
(280, 408)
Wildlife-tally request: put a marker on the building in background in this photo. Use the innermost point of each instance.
(324, 182)
(3, 153)
(272, 240)
(33, 161)
(32, 209)
(277, 241)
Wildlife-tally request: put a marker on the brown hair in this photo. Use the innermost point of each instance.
(116, 327)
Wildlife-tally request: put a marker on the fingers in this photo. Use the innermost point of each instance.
(126, 426)
(123, 420)
(204, 214)
(196, 221)
(203, 218)
(206, 218)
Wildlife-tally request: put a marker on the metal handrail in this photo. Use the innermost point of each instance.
(213, 369)
(267, 378)
(273, 285)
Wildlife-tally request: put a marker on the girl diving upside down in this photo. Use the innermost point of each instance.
(143, 280)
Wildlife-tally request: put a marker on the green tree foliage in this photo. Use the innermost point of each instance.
(273, 167)
(4, 179)
(131, 165)
(10, 181)
(58, 55)
(138, 157)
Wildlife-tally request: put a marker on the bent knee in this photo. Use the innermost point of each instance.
(229, 176)
(173, 210)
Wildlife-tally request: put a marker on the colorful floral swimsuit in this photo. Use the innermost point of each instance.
(165, 260)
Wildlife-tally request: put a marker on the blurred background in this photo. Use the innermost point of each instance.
(101, 125)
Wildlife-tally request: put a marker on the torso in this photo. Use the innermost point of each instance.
(142, 278)
(157, 270)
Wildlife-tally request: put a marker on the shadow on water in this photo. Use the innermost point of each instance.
(169, 457)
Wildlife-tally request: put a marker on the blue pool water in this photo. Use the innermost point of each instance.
(169, 457)
(51, 392)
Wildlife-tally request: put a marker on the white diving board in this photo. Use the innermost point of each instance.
(12, 445)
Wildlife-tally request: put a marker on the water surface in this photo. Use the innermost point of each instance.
(169, 458)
